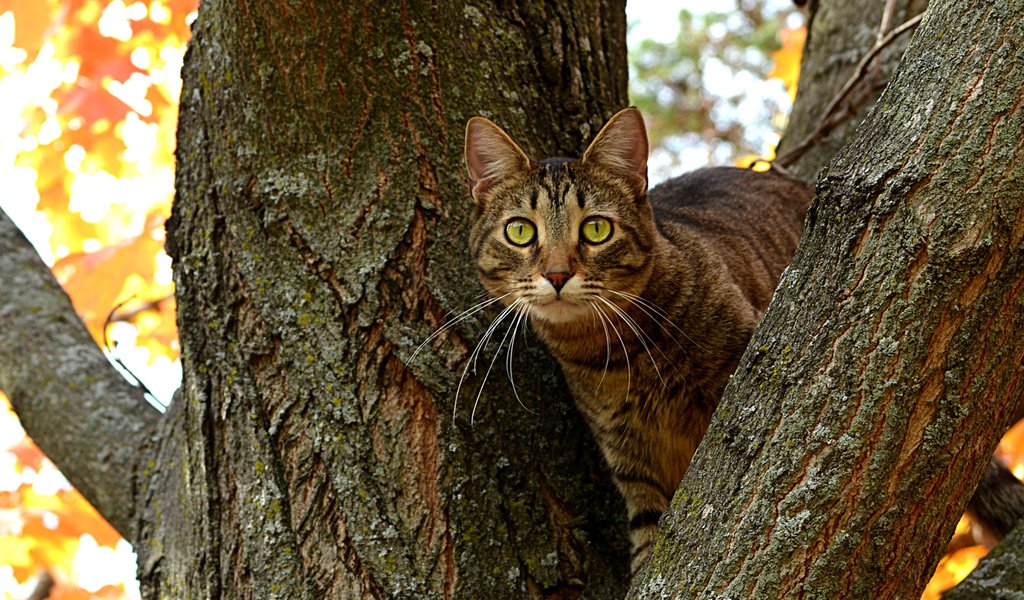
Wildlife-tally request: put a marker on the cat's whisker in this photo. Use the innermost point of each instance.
(497, 351)
(639, 333)
(476, 351)
(655, 318)
(469, 312)
(517, 320)
(625, 351)
(642, 302)
(607, 347)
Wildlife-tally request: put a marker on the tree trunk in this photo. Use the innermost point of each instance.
(319, 237)
(865, 409)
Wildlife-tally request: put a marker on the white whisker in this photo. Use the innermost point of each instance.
(476, 351)
(639, 333)
(644, 304)
(517, 320)
(607, 347)
(462, 317)
(625, 352)
(501, 344)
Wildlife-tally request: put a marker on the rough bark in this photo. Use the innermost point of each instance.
(80, 412)
(319, 236)
(865, 408)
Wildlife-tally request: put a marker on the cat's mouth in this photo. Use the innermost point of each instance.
(559, 309)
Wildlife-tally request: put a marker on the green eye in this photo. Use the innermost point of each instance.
(520, 232)
(596, 230)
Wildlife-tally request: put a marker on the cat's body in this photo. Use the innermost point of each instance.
(726, 235)
(649, 321)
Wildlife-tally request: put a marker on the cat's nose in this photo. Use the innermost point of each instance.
(558, 278)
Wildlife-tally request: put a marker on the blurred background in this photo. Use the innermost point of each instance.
(88, 106)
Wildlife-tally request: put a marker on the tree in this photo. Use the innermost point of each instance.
(319, 236)
(318, 239)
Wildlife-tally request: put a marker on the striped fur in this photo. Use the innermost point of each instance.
(650, 323)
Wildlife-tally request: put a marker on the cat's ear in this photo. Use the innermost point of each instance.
(491, 156)
(621, 148)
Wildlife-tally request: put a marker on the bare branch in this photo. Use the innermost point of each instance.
(74, 405)
(833, 116)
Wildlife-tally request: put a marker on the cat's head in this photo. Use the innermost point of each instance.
(560, 235)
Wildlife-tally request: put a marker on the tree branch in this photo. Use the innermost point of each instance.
(74, 405)
(874, 390)
(832, 116)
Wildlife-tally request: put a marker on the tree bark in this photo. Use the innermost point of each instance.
(319, 237)
(80, 412)
(865, 408)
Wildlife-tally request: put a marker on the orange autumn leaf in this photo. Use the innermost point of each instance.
(94, 118)
(78, 517)
(95, 281)
(62, 591)
(27, 455)
(34, 20)
(160, 334)
(15, 552)
(952, 569)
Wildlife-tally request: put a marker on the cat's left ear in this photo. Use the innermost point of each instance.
(491, 156)
(621, 148)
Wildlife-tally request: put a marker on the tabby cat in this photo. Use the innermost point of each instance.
(646, 299)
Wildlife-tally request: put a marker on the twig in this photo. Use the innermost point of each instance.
(111, 349)
(887, 13)
(148, 305)
(883, 28)
(827, 122)
(43, 587)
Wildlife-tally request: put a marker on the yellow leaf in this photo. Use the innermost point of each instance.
(787, 58)
(952, 570)
(15, 552)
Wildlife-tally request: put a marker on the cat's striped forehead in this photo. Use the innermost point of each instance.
(562, 187)
(555, 185)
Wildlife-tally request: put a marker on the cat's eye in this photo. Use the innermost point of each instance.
(520, 232)
(596, 230)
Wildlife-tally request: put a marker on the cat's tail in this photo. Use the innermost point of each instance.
(997, 505)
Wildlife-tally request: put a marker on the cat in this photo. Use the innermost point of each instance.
(646, 299)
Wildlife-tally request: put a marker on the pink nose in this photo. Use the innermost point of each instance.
(558, 278)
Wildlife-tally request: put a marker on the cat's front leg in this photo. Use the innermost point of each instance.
(646, 500)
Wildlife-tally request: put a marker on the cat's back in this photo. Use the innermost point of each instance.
(751, 220)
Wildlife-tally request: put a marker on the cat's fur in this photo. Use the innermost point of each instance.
(697, 257)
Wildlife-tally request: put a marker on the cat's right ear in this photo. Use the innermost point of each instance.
(491, 156)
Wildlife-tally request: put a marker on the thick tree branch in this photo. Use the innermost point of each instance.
(865, 409)
(831, 67)
(74, 405)
(832, 116)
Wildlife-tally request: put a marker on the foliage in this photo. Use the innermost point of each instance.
(88, 104)
(716, 92)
